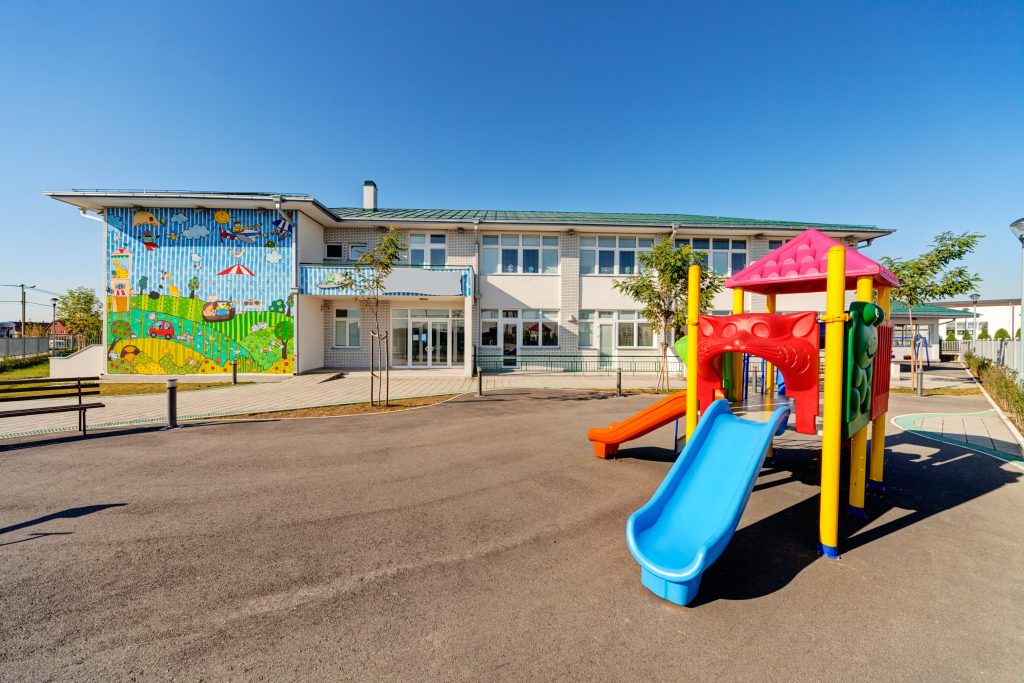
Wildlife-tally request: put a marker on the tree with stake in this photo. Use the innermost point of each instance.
(80, 309)
(378, 263)
(659, 285)
(933, 277)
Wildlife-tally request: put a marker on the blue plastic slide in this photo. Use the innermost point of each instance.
(692, 516)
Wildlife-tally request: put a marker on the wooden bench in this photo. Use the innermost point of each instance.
(33, 389)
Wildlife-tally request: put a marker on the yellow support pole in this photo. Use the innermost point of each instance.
(859, 441)
(828, 525)
(878, 425)
(692, 314)
(737, 358)
(769, 369)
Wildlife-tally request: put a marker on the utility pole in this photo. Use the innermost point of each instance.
(22, 311)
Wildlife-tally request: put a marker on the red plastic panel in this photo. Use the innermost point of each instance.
(880, 373)
(789, 342)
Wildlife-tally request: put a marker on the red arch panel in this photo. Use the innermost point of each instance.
(789, 342)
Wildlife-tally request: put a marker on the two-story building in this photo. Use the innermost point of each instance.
(197, 281)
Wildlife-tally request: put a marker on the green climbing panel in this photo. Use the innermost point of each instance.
(860, 349)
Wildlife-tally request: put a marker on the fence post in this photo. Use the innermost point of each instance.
(920, 380)
(479, 381)
(234, 372)
(618, 381)
(172, 403)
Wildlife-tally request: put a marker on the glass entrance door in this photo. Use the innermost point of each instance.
(509, 344)
(438, 348)
(419, 340)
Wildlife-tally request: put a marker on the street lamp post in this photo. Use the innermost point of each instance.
(1017, 228)
(974, 298)
(53, 321)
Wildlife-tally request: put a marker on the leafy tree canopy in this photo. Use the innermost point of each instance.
(932, 276)
(81, 309)
(1001, 333)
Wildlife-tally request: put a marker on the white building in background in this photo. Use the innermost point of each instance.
(993, 314)
(493, 288)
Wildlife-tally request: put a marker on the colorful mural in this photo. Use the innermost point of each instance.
(191, 290)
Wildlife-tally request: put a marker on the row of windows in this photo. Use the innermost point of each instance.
(629, 328)
(539, 254)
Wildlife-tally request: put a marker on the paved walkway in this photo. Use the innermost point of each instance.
(305, 391)
(984, 432)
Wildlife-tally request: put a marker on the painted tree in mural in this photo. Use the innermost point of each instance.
(284, 331)
(119, 329)
(660, 286)
(193, 285)
(378, 263)
(932, 277)
(290, 301)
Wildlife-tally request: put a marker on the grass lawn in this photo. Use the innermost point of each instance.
(942, 391)
(42, 369)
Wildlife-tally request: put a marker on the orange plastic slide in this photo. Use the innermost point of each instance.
(668, 409)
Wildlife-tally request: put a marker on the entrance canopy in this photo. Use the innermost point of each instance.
(801, 265)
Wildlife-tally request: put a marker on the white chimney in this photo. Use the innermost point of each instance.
(370, 195)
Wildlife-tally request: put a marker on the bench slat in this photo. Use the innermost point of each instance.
(38, 380)
(46, 387)
(52, 409)
(48, 396)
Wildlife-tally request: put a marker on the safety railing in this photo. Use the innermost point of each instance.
(572, 363)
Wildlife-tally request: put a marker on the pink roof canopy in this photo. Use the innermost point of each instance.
(800, 265)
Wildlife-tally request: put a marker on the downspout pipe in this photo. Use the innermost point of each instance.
(99, 217)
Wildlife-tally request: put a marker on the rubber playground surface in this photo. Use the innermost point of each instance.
(481, 539)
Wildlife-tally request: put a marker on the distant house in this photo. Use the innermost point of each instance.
(993, 314)
(8, 329)
(928, 319)
(56, 328)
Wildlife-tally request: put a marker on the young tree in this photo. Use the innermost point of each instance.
(966, 335)
(659, 285)
(932, 276)
(1001, 333)
(950, 334)
(80, 309)
(984, 335)
(378, 263)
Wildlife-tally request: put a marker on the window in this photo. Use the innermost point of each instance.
(631, 329)
(427, 250)
(356, 250)
(335, 251)
(586, 336)
(346, 327)
(540, 328)
(725, 256)
(612, 255)
(489, 327)
(775, 244)
(529, 254)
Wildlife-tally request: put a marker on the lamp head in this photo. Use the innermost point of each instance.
(1017, 228)
(975, 297)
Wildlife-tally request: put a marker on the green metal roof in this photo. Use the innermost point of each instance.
(930, 311)
(586, 218)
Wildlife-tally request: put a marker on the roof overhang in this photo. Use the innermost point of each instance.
(98, 200)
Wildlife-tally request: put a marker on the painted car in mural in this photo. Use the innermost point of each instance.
(186, 291)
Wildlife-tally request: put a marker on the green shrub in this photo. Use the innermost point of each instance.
(1001, 384)
(13, 363)
(950, 335)
(983, 335)
(1001, 333)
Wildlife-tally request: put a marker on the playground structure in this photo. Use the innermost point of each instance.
(695, 511)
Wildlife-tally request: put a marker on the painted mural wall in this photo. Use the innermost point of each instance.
(191, 290)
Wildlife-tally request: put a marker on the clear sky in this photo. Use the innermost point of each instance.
(907, 115)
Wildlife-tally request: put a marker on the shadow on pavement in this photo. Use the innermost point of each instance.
(70, 513)
(765, 556)
(23, 443)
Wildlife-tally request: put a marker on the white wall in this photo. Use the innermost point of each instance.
(89, 362)
(309, 339)
(1006, 317)
(520, 291)
(311, 240)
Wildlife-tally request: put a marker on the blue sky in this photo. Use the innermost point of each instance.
(900, 114)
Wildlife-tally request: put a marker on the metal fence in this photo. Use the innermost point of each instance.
(1005, 352)
(23, 346)
(572, 363)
